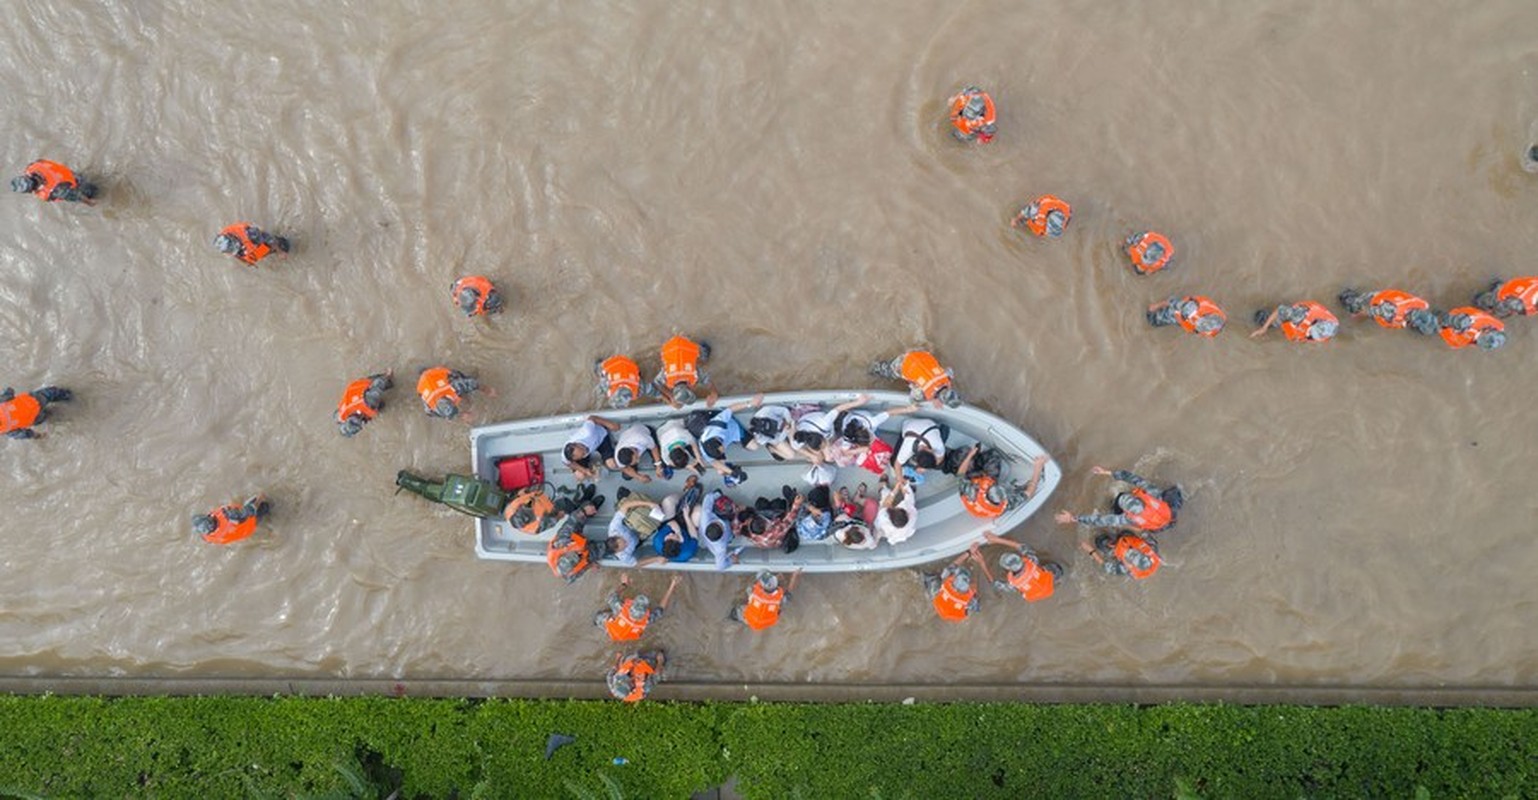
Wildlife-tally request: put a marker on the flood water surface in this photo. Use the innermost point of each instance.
(775, 178)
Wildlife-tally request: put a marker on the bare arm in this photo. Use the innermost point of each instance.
(994, 538)
(966, 462)
(858, 401)
(1037, 467)
(607, 424)
(668, 595)
(711, 396)
(795, 578)
(1264, 326)
(758, 400)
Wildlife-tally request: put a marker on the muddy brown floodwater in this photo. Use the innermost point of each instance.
(775, 178)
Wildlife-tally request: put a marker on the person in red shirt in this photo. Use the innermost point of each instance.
(951, 591)
(361, 401)
(1304, 321)
(972, 116)
(1517, 296)
(632, 677)
(1125, 553)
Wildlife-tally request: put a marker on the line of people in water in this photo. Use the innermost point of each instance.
(1479, 324)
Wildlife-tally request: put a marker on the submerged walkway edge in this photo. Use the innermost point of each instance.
(1439, 696)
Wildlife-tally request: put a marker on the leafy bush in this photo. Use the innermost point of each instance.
(218, 747)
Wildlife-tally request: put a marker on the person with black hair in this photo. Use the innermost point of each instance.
(713, 527)
(897, 513)
(770, 428)
(816, 429)
(716, 430)
(632, 442)
(679, 448)
(587, 450)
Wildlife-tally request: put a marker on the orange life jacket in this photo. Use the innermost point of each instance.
(538, 502)
(639, 670)
(1402, 303)
(1129, 542)
(621, 372)
(482, 286)
(1138, 252)
(923, 372)
(623, 628)
(763, 608)
(974, 496)
(250, 251)
(1204, 308)
(229, 532)
(1155, 516)
(19, 413)
(434, 385)
(1479, 325)
(353, 403)
(1035, 215)
(680, 362)
(981, 127)
(578, 545)
(951, 605)
(1524, 289)
(53, 174)
(1032, 582)
(1298, 331)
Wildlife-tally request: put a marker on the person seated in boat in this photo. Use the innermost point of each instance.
(571, 554)
(972, 116)
(443, 389)
(625, 620)
(921, 447)
(361, 401)
(21, 413)
(761, 609)
(1195, 313)
(951, 591)
(1518, 296)
(985, 494)
(1391, 308)
(672, 540)
(770, 428)
(630, 444)
(1149, 251)
(1125, 553)
(712, 525)
(1466, 326)
(928, 382)
(816, 429)
(1305, 321)
(859, 441)
(53, 182)
(679, 448)
(853, 517)
(716, 430)
(633, 676)
(1023, 571)
(589, 448)
(682, 373)
(231, 523)
(619, 381)
(248, 243)
(897, 512)
(636, 518)
(476, 296)
(770, 524)
(814, 520)
(1143, 507)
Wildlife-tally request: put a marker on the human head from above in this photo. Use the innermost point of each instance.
(764, 429)
(1490, 340)
(351, 426)
(627, 456)
(227, 243)
(621, 397)
(811, 440)
(925, 459)
(446, 408)
(678, 455)
(1129, 503)
(575, 452)
(948, 396)
(898, 517)
(855, 432)
(715, 530)
(639, 606)
(1011, 562)
(25, 183)
(766, 579)
(683, 395)
(523, 516)
(962, 579)
(714, 449)
(203, 524)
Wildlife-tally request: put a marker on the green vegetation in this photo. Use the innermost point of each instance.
(234, 747)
